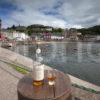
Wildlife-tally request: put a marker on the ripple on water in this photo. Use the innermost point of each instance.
(82, 62)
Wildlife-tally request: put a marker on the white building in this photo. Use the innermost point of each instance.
(72, 34)
(20, 36)
(49, 29)
(98, 37)
(57, 37)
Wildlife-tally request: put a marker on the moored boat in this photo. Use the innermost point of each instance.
(6, 44)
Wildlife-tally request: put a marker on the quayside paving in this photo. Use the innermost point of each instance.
(8, 82)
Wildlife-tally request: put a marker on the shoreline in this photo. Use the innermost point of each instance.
(58, 42)
(84, 83)
(49, 42)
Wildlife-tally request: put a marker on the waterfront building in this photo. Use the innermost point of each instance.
(71, 34)
(54, 37)
(46, 36)
(98, 38)
(0, 28)
(66, 33)
(2, 36)
(20, 36)
(32, 37)
(35, 36)
(48, 29)
(90, 38)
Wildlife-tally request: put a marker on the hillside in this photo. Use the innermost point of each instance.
(36, 28)
(95, 30)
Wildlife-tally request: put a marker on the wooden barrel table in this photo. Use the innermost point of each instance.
(60, 91)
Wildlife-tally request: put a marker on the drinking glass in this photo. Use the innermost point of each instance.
(51, 75)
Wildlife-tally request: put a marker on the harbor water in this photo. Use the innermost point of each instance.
(80, 59)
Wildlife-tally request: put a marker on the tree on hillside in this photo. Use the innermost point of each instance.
(13, 27)
(90, 31)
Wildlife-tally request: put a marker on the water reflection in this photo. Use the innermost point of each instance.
(79, 59)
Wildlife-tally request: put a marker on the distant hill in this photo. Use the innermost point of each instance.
(95, 30)
(17, 28)
(36, 28)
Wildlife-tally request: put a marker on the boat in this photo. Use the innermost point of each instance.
(6, 44)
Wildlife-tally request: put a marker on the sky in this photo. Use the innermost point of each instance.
(56, 13)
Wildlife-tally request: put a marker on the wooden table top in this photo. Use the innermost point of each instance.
(62, 86)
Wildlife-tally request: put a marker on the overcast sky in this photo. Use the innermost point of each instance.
(57, 13)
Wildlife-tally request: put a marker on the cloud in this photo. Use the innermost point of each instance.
(28, 12)
(35, 17)
(57, 13)
(81, 12)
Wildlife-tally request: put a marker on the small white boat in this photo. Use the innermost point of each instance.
(6, 44)
(10, 44)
